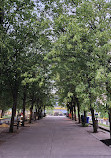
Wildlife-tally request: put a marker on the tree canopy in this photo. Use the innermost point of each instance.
(62, 44)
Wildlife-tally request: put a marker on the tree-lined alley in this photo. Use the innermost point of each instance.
(65, 44)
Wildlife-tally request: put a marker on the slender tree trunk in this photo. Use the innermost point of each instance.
(75, 118)
(84, 123)
(30, 119)
(67, 114)
(31, 109)
(38, 112)
(72, 111)
(24, 104)
(35, 113)
(2, 113)
(108, 91)
(95, 126)
(110, 120)
(78, 106)
(67, 110)
(44, 110)
(13, 112)
(37, 109)
(93, 118)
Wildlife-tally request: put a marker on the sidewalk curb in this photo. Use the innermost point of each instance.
(107, 130)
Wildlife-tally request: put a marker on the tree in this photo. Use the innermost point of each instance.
(79, 39)
(16, 22)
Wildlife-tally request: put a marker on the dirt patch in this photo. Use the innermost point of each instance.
(6, 136)
(4, 125)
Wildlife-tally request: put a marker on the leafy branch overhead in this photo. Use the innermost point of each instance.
(62, 45)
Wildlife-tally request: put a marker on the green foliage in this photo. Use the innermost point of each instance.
(24, 42)
(80, 52)
(67, 42)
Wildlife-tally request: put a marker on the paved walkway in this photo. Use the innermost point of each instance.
(54, 137)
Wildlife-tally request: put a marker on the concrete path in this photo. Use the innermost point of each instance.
(54, 137)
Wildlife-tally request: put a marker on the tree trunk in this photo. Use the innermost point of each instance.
(13, 112)
(30, 119)
(67, 110)
(75, 113)
(110, 120)
(35, 113)
(79, 119)
(72, 111)
(93, 118)
(95, 126)
(2, 113)
(31, 109)
(84, 123)
(38, 112)
(78, 107)
(24, 104)
(44, 111)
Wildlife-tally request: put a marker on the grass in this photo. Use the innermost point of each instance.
(6, 116)
(101, 124)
